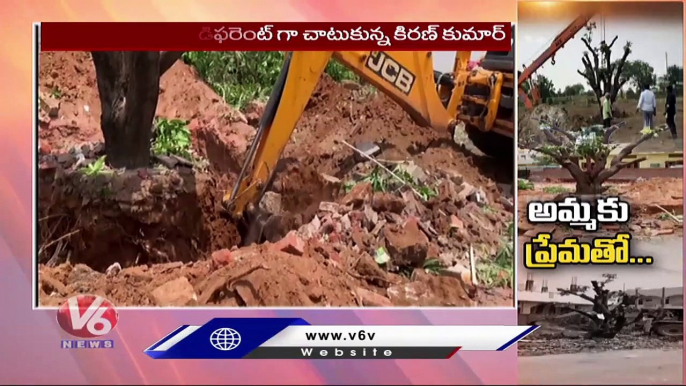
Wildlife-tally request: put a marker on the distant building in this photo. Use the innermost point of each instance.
(535, 303)
(533, 306)
(652, 160)
(529, 161)
(651, 299)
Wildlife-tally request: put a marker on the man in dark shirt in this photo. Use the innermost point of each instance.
(670, 108)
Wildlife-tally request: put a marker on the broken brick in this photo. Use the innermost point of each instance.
(408, 245)
(50, 105)
(447, 191)
(460, 272)
(464, 191)
(387, 202)
(310, 229)
(175, 293)
(328, 226)
(665, 224)
(292, 244)
(44, 149)
(271, 203)
(372, 299)
(371, 217)
(358, 195)
(661, 232)
(412, 206)
(456, 223)
(333, 207)
(335, 238)
(222, 257)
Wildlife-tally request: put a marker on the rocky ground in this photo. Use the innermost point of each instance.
(551, 340)
(351, 234)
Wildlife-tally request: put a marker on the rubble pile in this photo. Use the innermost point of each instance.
(535, 345)
(346, 230)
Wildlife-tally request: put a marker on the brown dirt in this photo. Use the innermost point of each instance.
(153, 229)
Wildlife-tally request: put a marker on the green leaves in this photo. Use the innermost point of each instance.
(172, 137)
(96, 167)
(243, 76)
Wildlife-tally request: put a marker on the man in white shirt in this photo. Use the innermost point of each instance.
(648, 105)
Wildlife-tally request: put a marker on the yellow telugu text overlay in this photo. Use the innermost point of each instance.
(541, 253)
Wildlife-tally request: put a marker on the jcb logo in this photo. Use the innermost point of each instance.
(391, 71)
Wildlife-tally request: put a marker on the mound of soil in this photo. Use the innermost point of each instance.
(157, 236)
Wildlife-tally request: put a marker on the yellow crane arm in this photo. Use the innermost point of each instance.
(406, 77)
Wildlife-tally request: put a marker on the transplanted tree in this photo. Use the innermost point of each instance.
(608, 315)
(675, 77)
(584, 152)
(602, 73)
(639, 74)
(546, 88)
(129, 85)
(573, 90)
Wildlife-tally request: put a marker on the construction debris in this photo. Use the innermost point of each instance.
(392, 227)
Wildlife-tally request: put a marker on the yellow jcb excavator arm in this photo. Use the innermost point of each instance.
(406, 77)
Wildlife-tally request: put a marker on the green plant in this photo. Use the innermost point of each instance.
(556, 189)
(378, 179)
(612, 191)
(56, 93)
(348, 186)
(487, 209)
(382, 181)
(426, 192)
(172, 137)
(96, 167)
(433, 266)
(243, 76)
(523, 184)
(500, 271)
(339, 72)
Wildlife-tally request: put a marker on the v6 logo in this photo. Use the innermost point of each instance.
(87, 316)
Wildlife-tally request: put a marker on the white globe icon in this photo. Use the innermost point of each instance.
(225, 339)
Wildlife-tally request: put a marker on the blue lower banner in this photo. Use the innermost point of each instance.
(295, 338)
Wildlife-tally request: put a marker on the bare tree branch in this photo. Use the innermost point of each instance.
(610, 131)
(566, 134)
(628, 149)
(564, 292)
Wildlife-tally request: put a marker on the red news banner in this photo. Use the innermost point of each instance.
(276, 36)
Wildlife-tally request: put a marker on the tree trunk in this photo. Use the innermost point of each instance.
(587, 183)
(129, 84)
(589, 187)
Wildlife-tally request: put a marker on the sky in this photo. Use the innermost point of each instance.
(653, 28)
